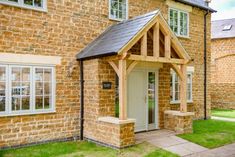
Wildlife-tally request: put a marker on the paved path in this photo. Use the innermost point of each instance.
(225, 151)
(224, 119)
(167, 140)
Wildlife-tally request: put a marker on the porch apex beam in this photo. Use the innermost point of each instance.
(144, 50)
(183, 89)
(156, 40)
(168, 46)
(156, 59)
(122, 89)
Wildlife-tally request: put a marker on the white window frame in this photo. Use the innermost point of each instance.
(32, 110)
(21, 4)
(178, 21)
(174, 75)
(118, 19)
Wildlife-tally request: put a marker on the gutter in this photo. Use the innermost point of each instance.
(81, 100)
(205, 64)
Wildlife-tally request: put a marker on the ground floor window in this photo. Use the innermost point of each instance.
(26, 89)
(175, 87)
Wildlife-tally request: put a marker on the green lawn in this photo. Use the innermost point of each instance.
(85, 149)
(223, 113)
(211, 133)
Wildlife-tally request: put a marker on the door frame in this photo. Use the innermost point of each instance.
(156, 71)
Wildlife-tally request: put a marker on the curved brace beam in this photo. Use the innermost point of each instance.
(177, 70)
(114, 66)
(131, 66)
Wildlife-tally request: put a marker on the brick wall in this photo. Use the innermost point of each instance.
(223, 76)
(64, 30)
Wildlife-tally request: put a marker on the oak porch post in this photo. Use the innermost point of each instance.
(122, 90)
(183, 89)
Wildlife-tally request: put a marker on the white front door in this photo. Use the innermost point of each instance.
(142, 99)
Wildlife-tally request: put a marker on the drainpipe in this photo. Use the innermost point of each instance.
(205, 62)
(81, 100)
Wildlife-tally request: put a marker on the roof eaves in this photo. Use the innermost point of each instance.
(197, 5)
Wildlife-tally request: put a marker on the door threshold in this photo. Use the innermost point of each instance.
(138, 132)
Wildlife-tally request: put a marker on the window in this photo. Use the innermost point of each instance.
(26, 89)
(175, 87)
(179, 22)
(29, 4)
(227, 27)
(118, 9)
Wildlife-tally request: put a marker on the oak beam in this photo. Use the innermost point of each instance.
(168, 46)
(114, 66)
(183, 89)
(143, 48)
(156, 59)
(122, 90)
(177, 70)
(156, 39)
(131, 66)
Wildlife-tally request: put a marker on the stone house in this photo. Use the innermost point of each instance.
(223, 64)
(101, 69)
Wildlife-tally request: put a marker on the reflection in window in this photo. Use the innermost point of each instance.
(151, 97)
(2, 88)
(20, 87)
(43, 81)
(118, 9)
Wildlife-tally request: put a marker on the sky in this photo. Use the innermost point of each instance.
(225, 9)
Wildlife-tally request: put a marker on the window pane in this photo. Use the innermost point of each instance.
(15, 74)
(47, 88)
(25, 88)
(43, 87)
(2, 104)
(26, 74)
(28, 2)
(39, 74)
(2, 88)
(25, 103)
(38, 3)
(47, 75)
(47, 102)
(16, 88)
(118, 9)
(2, 73)
(39, 102)
(13, 1)
(183, 24)
(39, 88)
(15, 101)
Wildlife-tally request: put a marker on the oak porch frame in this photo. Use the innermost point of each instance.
(121, 67)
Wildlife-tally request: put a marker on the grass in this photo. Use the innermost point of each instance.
(85, 149)
(211, 133)
(223, 113)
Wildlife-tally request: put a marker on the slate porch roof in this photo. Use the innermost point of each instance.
(116, 37)
(217, 27)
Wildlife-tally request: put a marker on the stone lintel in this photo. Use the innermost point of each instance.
(114, 120)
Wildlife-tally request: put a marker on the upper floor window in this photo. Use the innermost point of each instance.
(118, 9)
(26, 89)
(28, 4)
(175, 87)
(179, 22)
